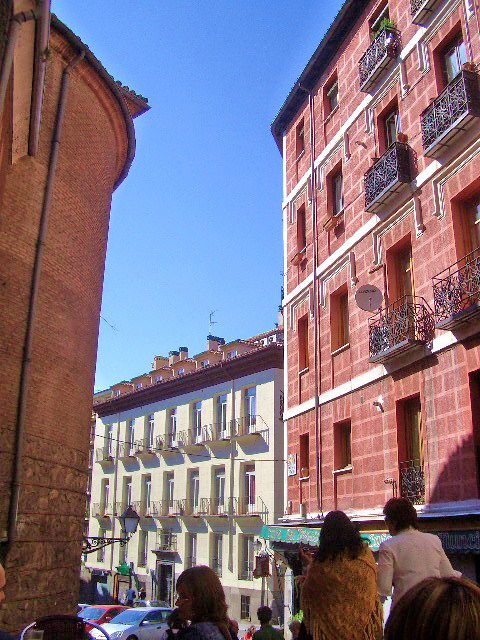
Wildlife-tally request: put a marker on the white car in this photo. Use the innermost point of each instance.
(141, 623)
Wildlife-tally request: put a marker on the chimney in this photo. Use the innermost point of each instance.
(172, 357)
(159, 362)
(214, 342)
(183, 353)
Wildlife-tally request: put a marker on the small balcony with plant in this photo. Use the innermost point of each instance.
(456, 109)
(388, 175)
(456, 293)
(380, 55)
(399, 328)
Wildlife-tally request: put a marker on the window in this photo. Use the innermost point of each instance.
(143, 548)
(139, 385)
(172, 428)
(169, 491)
(117, 392)
(158, 379)
(248, 558)
(221, 411)
(204, 363)
(403, 272)
(109, 439)
(232, 354)
(127, 493)
(245, 607)
(304, 455)
(300, 138)
(453, 57)
(192, 549)
(219, 488)
(250, 408)
(391, 127)
(303, 343)
(149, 431)
(101, 552)
(197, 422)
(249, 488)
(131, 434)
(342, 437)
(410, 438)
(412, 416)
(337, 193)
(146, 493)
(194, 491)
(471, 224)
(181, 371)
(105, 496)
(339, 320)
(217, 553)
(332, 98)
(301, 229)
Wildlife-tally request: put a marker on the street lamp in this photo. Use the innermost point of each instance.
(128, 522)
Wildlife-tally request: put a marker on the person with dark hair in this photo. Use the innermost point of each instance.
(410, 555)
(175, 624)
(201, 599)
(440, 608)
(266, 631)
(339, 592)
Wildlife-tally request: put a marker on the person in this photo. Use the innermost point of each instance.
(249, 632)
(339, 592)
(3, 634)
(142, 595)
(234, 628)
(440, 608)
(201, 599)
(266, 631)
(130, 597)
(294, 627)
(175, 623)
(410, 555)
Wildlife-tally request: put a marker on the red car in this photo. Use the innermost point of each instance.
(100, 613)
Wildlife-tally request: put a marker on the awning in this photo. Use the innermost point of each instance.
(311, 536)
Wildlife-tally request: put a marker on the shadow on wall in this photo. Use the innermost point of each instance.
(458, 479)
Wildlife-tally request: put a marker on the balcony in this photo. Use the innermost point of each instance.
(379, 56)
(103, 455)
(191, 561)
(192, 507)
(219, 432)
(167, 445)
(101, 510)
(421, 10)
(412, 481)
(249, 428)
(246, 508)
(387, 176)
(246, 572)
(451, 113)
(178, 507)
(213, 507)
(456, 293)
(166, 541)
(162, 509)
(126, 450)
(144, 448)
(400, 328)
(143, 508)
(192, 440)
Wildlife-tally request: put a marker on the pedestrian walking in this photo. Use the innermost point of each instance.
(201, 599)
(339, 593)
(266, 631)
(410, 555)
(439, 608)
(130, 597)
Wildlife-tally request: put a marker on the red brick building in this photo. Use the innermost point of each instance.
(66, 142)
(380, 143)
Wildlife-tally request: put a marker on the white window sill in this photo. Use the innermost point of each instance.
(300, 373)
(344, 347)
(341, 472)
(304, 478)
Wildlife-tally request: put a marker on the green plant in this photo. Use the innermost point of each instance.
(385, 23)
(298, 616)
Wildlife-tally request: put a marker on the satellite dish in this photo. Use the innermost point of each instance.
(368, 297)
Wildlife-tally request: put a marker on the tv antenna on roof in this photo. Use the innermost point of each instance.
(211, 321)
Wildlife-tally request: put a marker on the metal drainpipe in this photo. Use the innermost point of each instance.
(41, 53)
(16, 22)
(318, 427)
(32, 307)
(231, 484)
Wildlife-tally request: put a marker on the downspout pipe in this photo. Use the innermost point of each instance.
(17, 474)
(41, 53)
(318, 428)
(15, 24)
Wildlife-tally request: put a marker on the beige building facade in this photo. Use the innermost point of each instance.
(199, 456)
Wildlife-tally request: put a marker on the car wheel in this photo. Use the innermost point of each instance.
(132, 638)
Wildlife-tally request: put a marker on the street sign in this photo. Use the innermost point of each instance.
(368, 297)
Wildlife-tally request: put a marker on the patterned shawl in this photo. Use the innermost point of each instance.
(340, 600)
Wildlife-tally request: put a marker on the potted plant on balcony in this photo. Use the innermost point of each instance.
(385, 23)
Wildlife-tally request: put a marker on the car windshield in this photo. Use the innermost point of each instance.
(130, 616)
(91, 613)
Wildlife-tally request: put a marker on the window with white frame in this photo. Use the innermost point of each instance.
(250, 408)
(127, 493)
(219, 487)
(221, 410)
(197, 422)
(170, 486)
(172, 428)
(194, 491)
(217, 553)
(105, 496)
(143, 548)
(146, 493)
(249, 488)
(109, 439)
(245, 607)
(204, 363)
(192, 549)
(130, 434)
(247, 557)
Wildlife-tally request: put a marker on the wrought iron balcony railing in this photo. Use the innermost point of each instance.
(161, 508)
(144, 447)
(166, 541)
(412, 481)
(126, 450)
(219, 431)
(103, 454)
(191, 561)
(250, 508)
(102, 510)
(380, 55)
(246, 572)
(178, 508)
(143, 508)
(451, 113)
(402, 326)
(421, 10)
(456, 292)
(213, 507)
(191, 439)
(387, 176)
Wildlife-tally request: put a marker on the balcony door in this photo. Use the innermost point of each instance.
(149, 434)
(220, 491)
(250, 409)
(130, 435)
(197, 422)
(414, 431)
(471, 225)
(454, 56)
(404, 273)
(411, 450)
(195, 492)
(109, 438)
(172, 428)
(222, 416)
(170, 485)
(248, 557)
(249, 488)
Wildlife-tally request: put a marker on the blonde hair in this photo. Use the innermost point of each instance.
(437, 609)
(208, 597)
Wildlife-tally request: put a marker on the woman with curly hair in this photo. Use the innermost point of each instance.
(201, 599)
(339, 592)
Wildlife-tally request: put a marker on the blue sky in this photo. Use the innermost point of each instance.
(197, 225)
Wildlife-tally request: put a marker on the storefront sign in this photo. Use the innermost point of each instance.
(460, 541)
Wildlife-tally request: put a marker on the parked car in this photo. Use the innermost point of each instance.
(81, 606)
(151, 603)
(141, 623)
(100, 613)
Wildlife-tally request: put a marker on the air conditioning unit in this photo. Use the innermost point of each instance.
(303, 509)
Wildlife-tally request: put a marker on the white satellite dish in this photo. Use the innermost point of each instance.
(369, 297)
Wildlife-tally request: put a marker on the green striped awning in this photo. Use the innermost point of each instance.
(311, 536)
